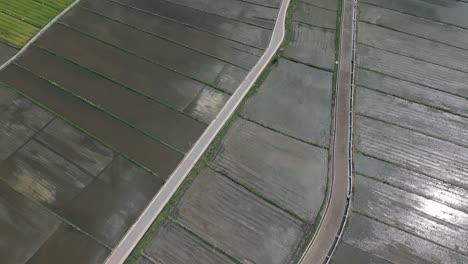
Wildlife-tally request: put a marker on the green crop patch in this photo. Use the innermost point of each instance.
(15, 31)
(55, 4)
(20, 20)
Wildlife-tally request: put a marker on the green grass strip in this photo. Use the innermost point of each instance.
(15, 31)
(58, 5)
(20, 20)
(29, 11)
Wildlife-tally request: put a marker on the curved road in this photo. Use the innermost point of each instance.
(337, 206)
(139, 228)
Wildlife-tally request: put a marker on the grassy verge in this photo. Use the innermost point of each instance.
(20, 20)
(203, 162)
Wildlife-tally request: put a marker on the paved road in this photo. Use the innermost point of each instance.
(136, 232)
(337, 206)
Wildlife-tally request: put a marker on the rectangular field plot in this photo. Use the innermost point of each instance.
(412, 213)
(413, 47)
(347, 254)
(153, 118)
(71, 246)
(208, 43)
(76, 146)
(174, 56)
(268, 3)
(413, 25)
(6, 52)
(148, 152)
(40, 174)
(287, 171)
(312, 45)
(413, 116)
(296, 100)
(449, 12)
(24, 225)
(64, 171)
(314, 16)
(19, 120)
(238, 222)
(434, 157)
(175, 245)
(111, 203)
(207, 105)
(228, 28)
(412, 70)
(413, 92)
(326, 4)
(395, 245)
(136, 73)
(237, 10)
(413, 182)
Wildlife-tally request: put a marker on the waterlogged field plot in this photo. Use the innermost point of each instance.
(20, 20)
(240, 223)
(177, 31)
(214, 22)
(260, 158)
(175, 244)
(82, 195)
(258, 197)
(181, 84)
(246, 12)
(6, 52)
(313, 34)
(295, 101)
(410, 139)
(184, 60)
(125, 88)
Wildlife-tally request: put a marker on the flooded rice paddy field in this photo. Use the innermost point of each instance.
(6, 52)
(99, 111)
(309, 90)
(312, 37)
(410, 141)
(264, 185)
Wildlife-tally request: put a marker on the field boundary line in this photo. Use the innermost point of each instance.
(159, 201)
